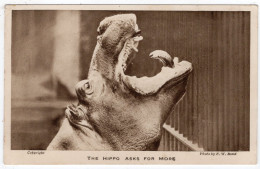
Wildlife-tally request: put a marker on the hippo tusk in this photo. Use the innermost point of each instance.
(163, 57)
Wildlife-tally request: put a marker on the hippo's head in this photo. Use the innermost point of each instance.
(126, 111)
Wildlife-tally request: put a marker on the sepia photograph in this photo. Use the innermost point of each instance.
(103, 79)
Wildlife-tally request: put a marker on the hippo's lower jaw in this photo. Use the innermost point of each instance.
(172, 71)
(149, 86)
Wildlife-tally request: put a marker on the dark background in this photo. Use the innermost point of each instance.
(215, 111)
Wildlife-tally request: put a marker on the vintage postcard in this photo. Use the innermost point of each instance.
(130, 84)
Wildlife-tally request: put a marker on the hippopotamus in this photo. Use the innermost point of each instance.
(119, 112)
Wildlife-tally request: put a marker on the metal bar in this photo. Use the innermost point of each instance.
(183, 140)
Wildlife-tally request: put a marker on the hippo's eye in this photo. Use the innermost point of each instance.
(88, 88)
(83, 88)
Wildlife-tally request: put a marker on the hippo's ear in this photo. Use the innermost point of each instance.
(78, 115)
(83, 89)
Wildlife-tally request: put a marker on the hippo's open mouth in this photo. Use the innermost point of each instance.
(172, 71)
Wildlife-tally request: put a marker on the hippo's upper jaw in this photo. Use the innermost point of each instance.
(117, 111)
(119, 37)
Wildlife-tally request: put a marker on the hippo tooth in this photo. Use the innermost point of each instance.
(163, 57)
(175, 60)
(138, 38)
(124, 66)
(135, 49)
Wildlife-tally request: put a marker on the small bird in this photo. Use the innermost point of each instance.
(163, 57)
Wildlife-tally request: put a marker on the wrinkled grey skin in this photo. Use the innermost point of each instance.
(116, 111)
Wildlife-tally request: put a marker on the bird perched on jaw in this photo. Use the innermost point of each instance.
(163, 57)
